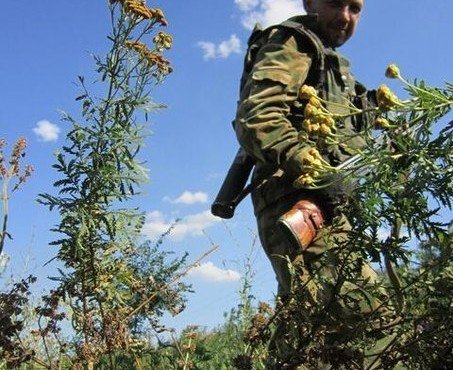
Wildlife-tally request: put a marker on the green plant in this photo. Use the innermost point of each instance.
(230, 345)
(10, 170)
(403, 180)
(114, 282)
(12, 351)
(12, 302)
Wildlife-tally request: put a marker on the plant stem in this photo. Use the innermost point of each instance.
(175, 279)
(4, 232)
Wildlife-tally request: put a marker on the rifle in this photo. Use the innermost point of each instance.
(233, 188)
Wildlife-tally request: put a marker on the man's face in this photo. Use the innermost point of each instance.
(337, 19)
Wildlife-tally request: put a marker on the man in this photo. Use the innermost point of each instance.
(269, 128)
(337, 20)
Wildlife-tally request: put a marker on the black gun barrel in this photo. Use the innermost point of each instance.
(233, 188)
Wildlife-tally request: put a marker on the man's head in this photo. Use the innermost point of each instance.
(337, 19)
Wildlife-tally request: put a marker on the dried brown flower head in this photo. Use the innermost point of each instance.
(151, 57)
(139, 9)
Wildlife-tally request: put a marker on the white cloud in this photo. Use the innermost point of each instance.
(233, 45)
(187, 197)
(192, 225)
(267, 12)
(46, 131)
(222, 50)
(209, 49)
(246, 5)
(210, 272)
(4, 260)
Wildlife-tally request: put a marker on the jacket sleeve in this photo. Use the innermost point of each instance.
(262, 125)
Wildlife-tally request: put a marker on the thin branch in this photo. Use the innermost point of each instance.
(175, 279)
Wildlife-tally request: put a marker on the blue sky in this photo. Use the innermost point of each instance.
(47, 44)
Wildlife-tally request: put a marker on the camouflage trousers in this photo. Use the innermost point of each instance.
(315, 322)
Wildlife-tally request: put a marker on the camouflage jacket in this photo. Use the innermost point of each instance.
(270, 112)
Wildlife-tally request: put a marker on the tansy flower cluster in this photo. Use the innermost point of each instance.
(139, 8)
(163, 41)
(152, 58)
(319, 125)
(387, 100)
(313, 166)
(317, 119)
(137, 46)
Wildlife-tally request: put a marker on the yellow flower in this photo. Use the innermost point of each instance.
(309, 126)
(137, 7)
(314, 152)
(381, 123)
(135, 45)
(163, 41)
(311, 111)
(316, 163)
(307, 160)
(306, 92)
(306, 124)
(159, 16)
(303, 181)
(315, 102)
(313, 166)
(312, 158)
(314, 128)
(162, 64)
(327, 120)
(392, 71)
(386, 98)
(151, 57)
(325, 130)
